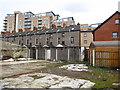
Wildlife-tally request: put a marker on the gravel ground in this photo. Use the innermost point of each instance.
(23, 68)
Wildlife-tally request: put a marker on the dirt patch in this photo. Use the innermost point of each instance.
(24, 68)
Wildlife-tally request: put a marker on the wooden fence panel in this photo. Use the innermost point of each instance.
(104, 57)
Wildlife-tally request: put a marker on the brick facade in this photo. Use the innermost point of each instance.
(105, 30)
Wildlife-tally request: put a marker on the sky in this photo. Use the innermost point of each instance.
(83, 11)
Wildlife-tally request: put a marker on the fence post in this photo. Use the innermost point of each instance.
(93, 57)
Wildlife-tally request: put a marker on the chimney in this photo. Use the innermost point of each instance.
(43, 28)
(8, 32)
(35, 28)
(78, 23)
(20, 30)
(13, 31)
(27, 29)
(65, 25)
(53, 26)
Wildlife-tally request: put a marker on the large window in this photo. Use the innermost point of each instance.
(117, 21)
(114, 34)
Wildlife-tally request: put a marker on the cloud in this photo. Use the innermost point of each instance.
(76, 7)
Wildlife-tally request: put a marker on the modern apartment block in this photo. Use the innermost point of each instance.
(29, 21)
(86, 27)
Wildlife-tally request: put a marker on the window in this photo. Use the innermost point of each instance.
(85, 41)
(63, 34)
(58, 40)
(114, 34)
(27, 42)
(36, 41)
(19, 42)
(30, 37)
(14, 38)
(30, 44)
(63, 42)
(117, 21)
(50, 35)
(72, 40)
(47, 41)
(85, 35)
(51, 43)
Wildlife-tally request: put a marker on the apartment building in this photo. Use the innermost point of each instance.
(29, 21)
(64, 22)
(87, 27)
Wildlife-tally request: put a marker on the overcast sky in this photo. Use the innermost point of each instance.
(83, 11)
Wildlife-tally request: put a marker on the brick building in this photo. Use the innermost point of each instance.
(104, 50)
(109, 30)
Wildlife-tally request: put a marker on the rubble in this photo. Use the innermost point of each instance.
(45, 80)
(75, 67)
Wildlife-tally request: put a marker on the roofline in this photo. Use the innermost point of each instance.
(87, 31)
(106, 20)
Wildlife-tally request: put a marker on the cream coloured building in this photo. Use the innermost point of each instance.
(29, 21)
(86, 39)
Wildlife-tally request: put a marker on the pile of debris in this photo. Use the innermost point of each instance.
(45, 80)
(75, 67)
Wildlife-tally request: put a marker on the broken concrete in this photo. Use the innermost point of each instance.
(45, 80)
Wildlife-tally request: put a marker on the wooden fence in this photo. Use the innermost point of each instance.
(106, 57)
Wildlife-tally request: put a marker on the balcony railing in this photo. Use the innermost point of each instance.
(27, 26)
(26, 17)
(39, 18)
(4, 25)
(27, 20)
(39, 25)
(5, 19)
(27, 23)
(39, 22)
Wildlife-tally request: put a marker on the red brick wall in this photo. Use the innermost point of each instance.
(104, 33)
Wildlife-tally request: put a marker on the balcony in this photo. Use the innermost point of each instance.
(27, 26)
(26, 17)
(39, 22)
(27, 20)
(5, 29)
(39, 19)
(39, 28)
(39, 25)
(5, 22)
(5, 19)
(27, 23)
(4, 26)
